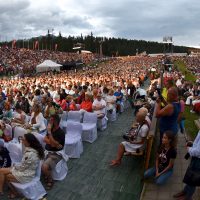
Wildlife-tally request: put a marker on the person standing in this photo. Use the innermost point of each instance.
(170, 113)
(194, 152)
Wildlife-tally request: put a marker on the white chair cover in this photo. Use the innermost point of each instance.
(15, 150)
(9, 129)
(73, 140)
(74, 116)
(102, 123)
(33, 190)
(45, 122)
(60, 171)
(19, 131)
(122, 106)
(89, 127)
(78, 106)
(40, 139)
(63, 118)
(126, 104)
(112, 116)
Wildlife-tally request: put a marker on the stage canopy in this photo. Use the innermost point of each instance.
(48, 65)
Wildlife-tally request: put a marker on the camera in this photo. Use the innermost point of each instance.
(126, 137)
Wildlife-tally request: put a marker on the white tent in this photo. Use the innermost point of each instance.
(48, 65)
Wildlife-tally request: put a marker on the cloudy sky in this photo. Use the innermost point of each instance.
(132, 19)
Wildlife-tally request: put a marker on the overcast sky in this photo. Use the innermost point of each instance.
(131, 19)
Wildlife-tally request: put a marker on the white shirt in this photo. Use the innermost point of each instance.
(111, 101)
(194, 151)
(99, 103)
(39, 122)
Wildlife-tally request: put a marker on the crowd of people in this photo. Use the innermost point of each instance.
(14, 61)
(37, 102)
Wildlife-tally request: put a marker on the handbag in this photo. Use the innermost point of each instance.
(192, 176)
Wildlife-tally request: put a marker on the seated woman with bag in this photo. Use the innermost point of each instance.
(164, 160)
(136, 140)
(26, 170)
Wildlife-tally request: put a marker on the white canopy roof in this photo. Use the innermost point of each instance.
(48, 65)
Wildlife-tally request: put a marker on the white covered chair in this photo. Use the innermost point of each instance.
(78, 106)
(15, 150)
(61, 169)
(102, 123)
(122, 106)
(33, 190)
(45, 122)
(89, 127)
(112, 116)
(19, 131)
(63, 118)
(73, 140)
(73, 116)
(40, 139)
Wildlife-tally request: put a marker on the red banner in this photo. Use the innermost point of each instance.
(36, 45)
(56, 47)
(14, 44)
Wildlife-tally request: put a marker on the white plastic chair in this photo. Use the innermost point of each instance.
(33, 190)
(89, 127)
(73, 140)
(15, 150)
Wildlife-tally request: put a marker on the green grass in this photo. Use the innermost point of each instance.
(182, 67)
(190, 126)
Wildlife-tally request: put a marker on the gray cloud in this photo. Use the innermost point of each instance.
(132, 19)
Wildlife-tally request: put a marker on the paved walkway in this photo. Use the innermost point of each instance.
(174, 184)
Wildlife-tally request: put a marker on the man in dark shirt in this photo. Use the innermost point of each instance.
(55, 141)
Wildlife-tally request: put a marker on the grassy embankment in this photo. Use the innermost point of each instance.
(190, 126)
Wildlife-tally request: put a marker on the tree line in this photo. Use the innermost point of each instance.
(110, 46)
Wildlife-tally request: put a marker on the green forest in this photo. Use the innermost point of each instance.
(110, 46)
